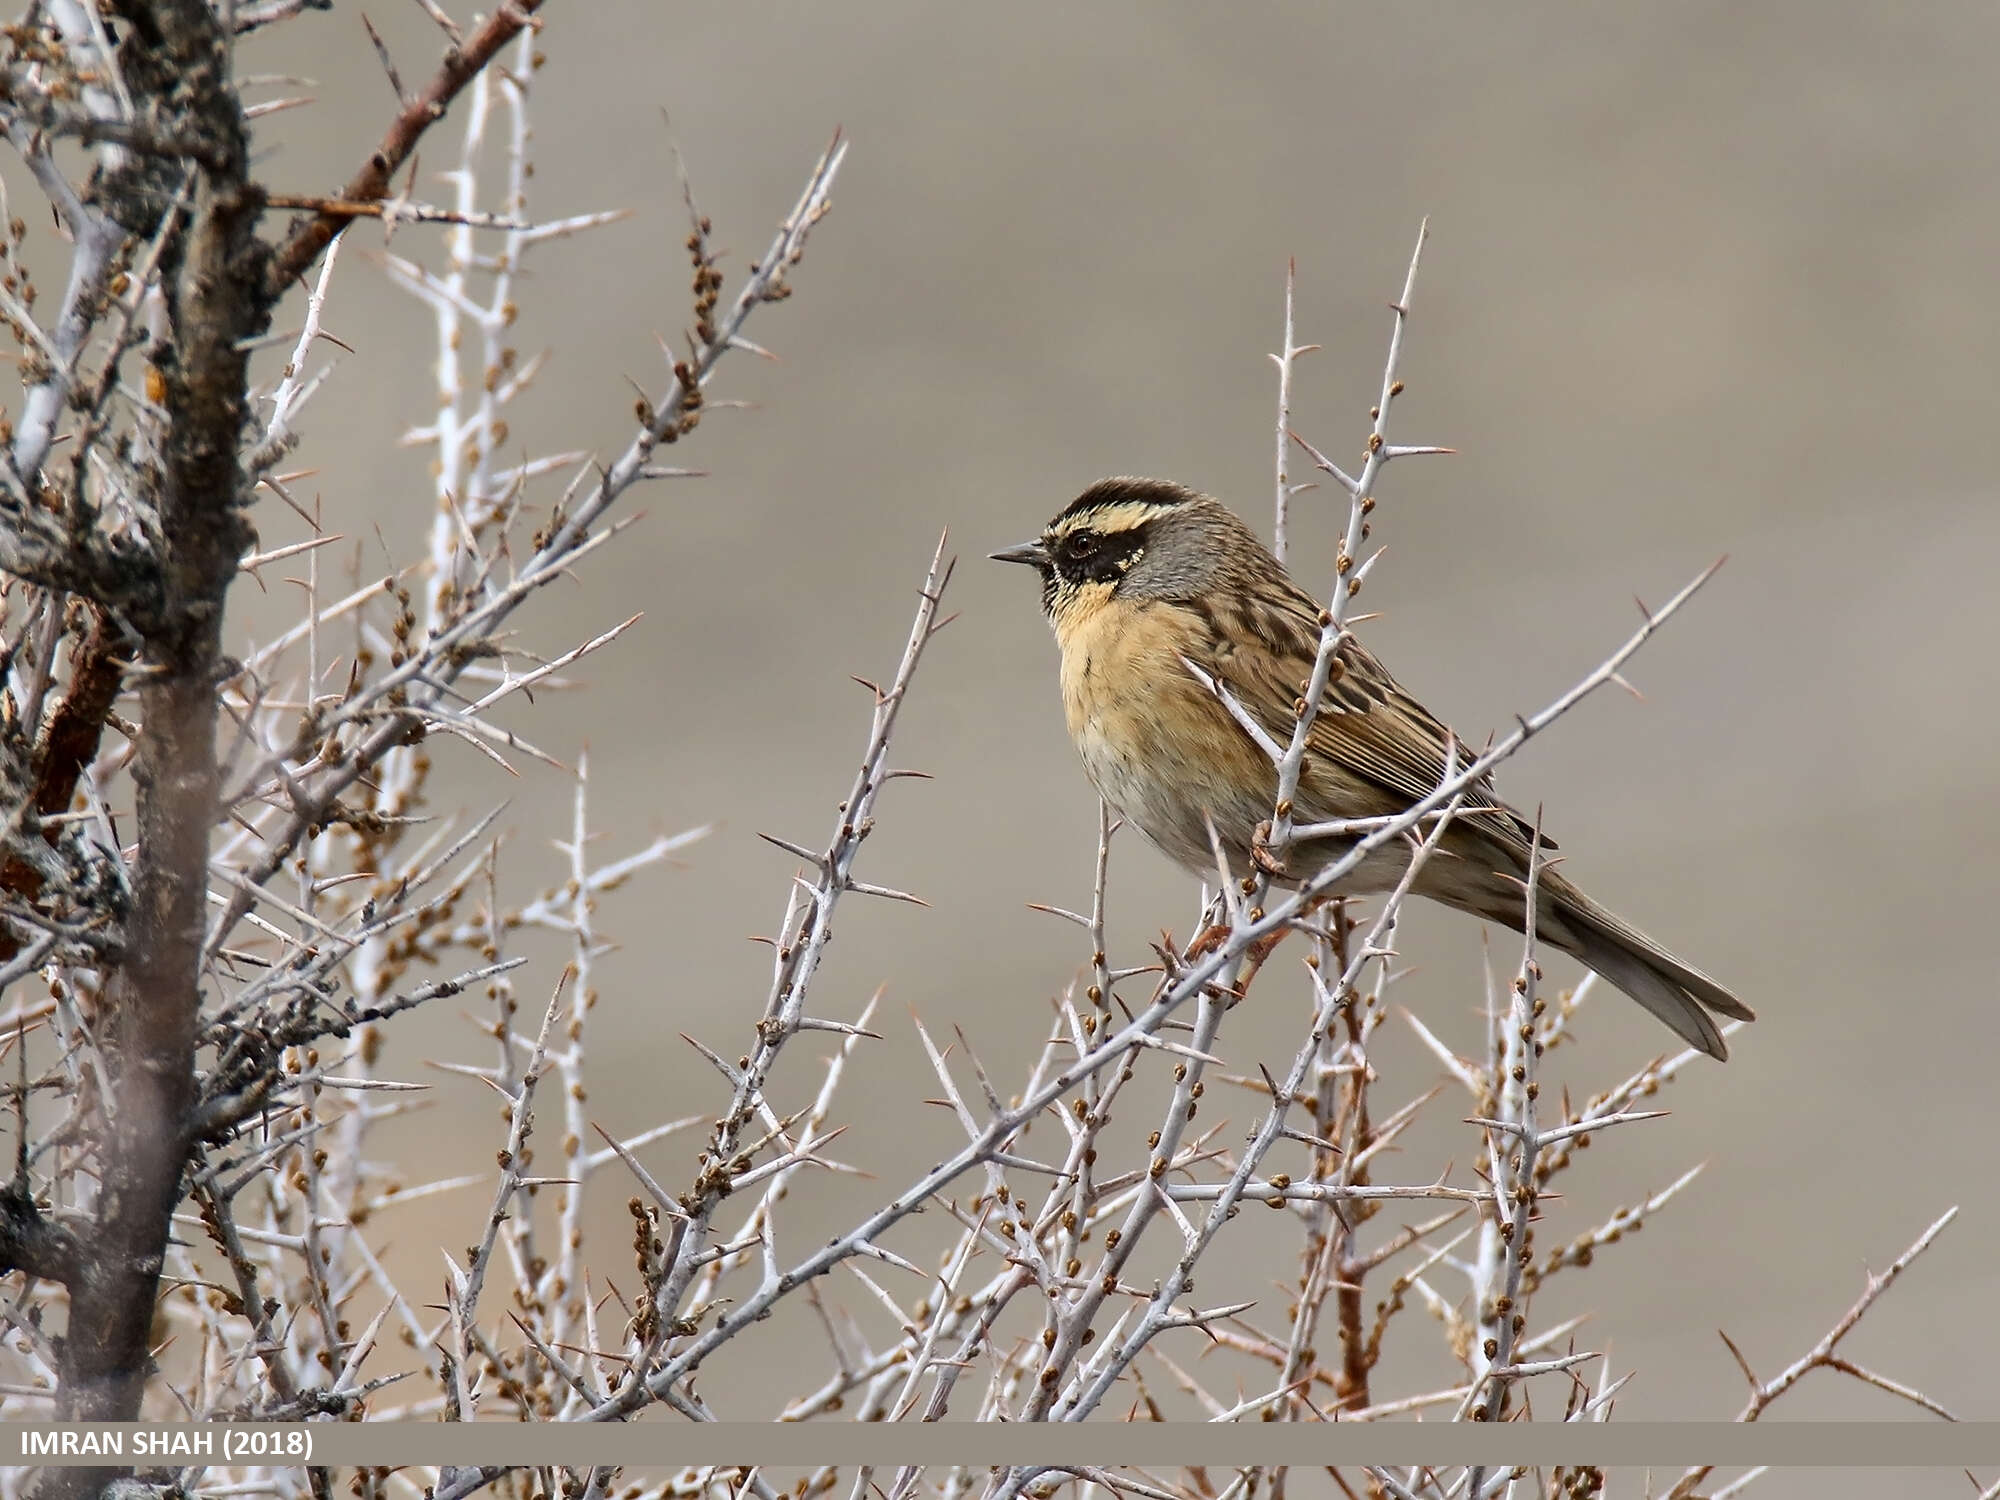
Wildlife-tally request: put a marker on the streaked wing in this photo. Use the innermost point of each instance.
(1367, 723)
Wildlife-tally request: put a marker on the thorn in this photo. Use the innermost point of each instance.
(1057, 911)
(844, 1028)
(812, 855)
(863, 888)
(1741, 1363)
(1117, 976)
(382, 52)
(721, 1067)
(1348, 482)
(445, 22)
(1278, 1095)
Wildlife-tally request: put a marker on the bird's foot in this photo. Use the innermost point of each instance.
(1255, 954)
(1261, 855)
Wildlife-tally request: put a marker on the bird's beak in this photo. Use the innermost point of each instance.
(1032, 553)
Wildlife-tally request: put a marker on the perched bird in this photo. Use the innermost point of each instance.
(1142, 579)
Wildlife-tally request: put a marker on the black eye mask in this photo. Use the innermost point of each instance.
(1093, 557)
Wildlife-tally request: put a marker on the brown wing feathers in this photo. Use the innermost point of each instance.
(1367, 724)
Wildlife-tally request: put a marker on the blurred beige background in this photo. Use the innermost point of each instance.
(1703, 279)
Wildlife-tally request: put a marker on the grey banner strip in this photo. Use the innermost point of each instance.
(1109, 1444)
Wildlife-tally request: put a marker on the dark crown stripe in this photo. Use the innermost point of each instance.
(1107, 493)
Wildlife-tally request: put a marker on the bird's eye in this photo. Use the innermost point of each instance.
(1081, 544)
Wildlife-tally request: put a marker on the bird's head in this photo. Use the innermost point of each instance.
(1133, 539)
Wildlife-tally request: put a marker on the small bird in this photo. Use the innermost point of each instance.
(1143, 579)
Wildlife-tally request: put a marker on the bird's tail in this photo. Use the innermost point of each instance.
(1678, 993)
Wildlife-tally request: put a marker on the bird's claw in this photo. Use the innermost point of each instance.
(1261, 855)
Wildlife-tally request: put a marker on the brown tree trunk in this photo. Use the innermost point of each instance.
(216, 302)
